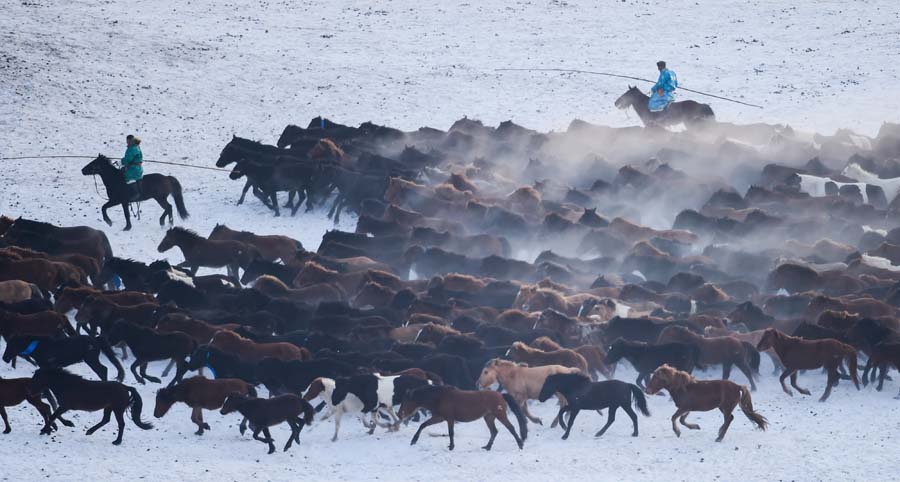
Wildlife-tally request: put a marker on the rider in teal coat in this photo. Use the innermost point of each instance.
(663, 92)
(132, 166)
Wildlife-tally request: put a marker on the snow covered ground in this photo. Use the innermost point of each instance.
(77, 76)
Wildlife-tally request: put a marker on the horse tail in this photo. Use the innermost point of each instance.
(67, 328)
(707, 111)
(852, 365)
(517, 411)
(179, 199)
(747, 408)
(111, 356)
(308, 412)
(751, 354)
(36, 292)
(639, 399)
(136, 405)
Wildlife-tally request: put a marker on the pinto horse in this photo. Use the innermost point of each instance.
(451, 405)
(690, 394)
(153, 186)
(799, 354)
(686, 112)
(199, 251)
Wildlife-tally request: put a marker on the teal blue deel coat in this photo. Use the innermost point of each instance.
(132, 164)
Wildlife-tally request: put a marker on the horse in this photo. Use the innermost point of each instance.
(148, 345)
(198, 251)
(377, 391)
(100, 312)
(324, 387)
(14, 391)
(61, 352)
(70, 298)
(56, 240)
(520, 352)
(522, 382)
(727, 350)
(220, 363)
(153, 186)
(688, 112)
(263, 413)
(45, 323)
(595, 356)
(47, 275)
(451, 405)
(76, 393)
(799, 354)
(14, 291)
(583, 394)
(272, 247)
(200, 394)
(249, 351)
(646, 357)
(690, 394)
(313, 295)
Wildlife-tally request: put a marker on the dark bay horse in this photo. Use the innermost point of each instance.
(686, 112)
(153, 186)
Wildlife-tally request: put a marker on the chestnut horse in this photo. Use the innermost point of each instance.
(799, 354)
(521, 381)
(727, 350)
(199, 251)
(520, 352)
(250, 351)
(450, 404)
(14, 391)
(200, 394)
(690, 394)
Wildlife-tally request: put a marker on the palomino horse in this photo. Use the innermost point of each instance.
(521, 381)
(799, 354)
(153, 186)
(690, 394)
(199, 251)
(450, 404)
(686, 112)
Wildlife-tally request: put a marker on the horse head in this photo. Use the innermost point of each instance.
(632, 95)
(97, 166)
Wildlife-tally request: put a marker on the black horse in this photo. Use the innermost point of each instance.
(153, 186)
(48, 352)
(686, 112)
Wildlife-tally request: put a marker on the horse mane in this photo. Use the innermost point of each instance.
(270, 283)
(60, 374)
(178, 230)
(250, 143)
(673, 379)
(129, 262)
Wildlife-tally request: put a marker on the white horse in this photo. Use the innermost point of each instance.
(891, 186)
(815, 186)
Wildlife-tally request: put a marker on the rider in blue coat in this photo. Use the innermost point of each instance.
(663, 92)
(132, 167)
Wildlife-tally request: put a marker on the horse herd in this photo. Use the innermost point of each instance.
(464, 273)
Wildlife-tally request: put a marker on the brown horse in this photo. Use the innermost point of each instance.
(522, 353)
(44, 323)
(320, 293)
(690, 395)
(433, 333)
(313, 273)
(199, 251)
(373, 294)
(46, 274)
(252, 352)
(272, 247)
(521, 381)
(200, 394)
(751, 337)
(148, 345)
(263, 413)
(450, 404)
(69, 298)
(200, 331)
(14, 291)
(799, 354)
(14, 391)
(100, 312)
(725, 350)
(595, 356)
(88, 265)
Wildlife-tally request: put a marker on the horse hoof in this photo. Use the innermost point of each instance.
(127, 228)
(7, 431)
(67, 423)
(117, 442)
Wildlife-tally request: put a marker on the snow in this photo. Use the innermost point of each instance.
(77, 76)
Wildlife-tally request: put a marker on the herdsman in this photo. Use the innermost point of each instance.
(132, 167)
(663, 92)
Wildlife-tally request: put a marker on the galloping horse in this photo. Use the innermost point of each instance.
(153, 186)
(686, 112)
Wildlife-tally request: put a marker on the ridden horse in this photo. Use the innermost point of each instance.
(198, 251)
(201, 393)
(799, 354)
(148, 345)
(727, 350)
(263, 413)
(153, 186)
(583, 394)
(686, 112)
(272, 247)
(645, 357)
(76, 393)
(521, 381)
(47, 352)
(14, 391)
(451, 405)
(690, 394)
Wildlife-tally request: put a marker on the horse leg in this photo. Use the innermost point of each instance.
(501, 416)
(729, 417)
(683, 421)
(8, 429)
(122, 346)
(572, 414)
(786, 373)
(127, 217)
(794, 384)
(137, 376)
(524, 405)
(148, 377)
(274, 196)
(167, 211)
(640, 380)
(726, 371)
(197, 418)
(742, 366)
(450, 431)
(103, 209)
(832, 380)
(374, 421)
(492, 427)
(338, 413)
(295, 432)
(93, 361)
(431, 421)
(609, 421)
(36, 402)
(269, 440)
(107, 413)
(634, 420)
(678, 413)
(244, 192)
(168, 368)
(290, 200)
(881, 377)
